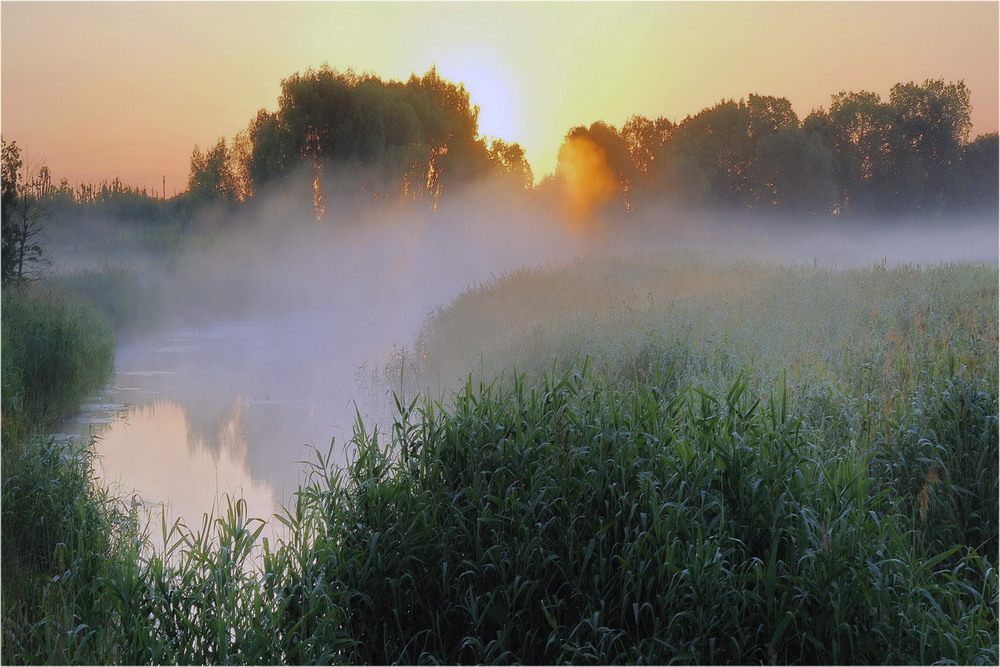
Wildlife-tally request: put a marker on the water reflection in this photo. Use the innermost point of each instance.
(155, 451)
(228, 409)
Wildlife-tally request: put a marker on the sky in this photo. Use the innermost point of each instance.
(99, 90)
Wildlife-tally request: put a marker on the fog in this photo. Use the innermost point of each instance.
(275, 326)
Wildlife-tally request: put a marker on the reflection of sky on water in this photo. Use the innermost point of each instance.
(228, 409)
(154, 451)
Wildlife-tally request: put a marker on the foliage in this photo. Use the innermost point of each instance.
(568, 522)
(510, 162)
(53, 353)
(782, 465)
(124, 299)
(26, 188)
(212, 177)
(909, 155)
(56, 522)
(358, 135)
(978, 165)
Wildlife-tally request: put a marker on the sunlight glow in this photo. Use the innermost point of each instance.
(490, 89)
(588, 179)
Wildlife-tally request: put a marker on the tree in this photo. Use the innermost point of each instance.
(509, 162)
(645, 138)
(211, 174)
(794, 172)
(11, 163)
(708, 159)
(24, 217)
(978, 174)
(364, 137)
(934, 120)
(595, 168)
(900, 156)
(584, 175)
(267, 158)
(869, 152)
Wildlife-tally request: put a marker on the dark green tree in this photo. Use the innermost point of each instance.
(864, 140)
(978, 176)
(211, 176)
(794, 173)
(25, 190)
(709, 158)
(11, 166)
(934, 119)
(510, 163)
(268, 157)
(361, 136)
(644, 139)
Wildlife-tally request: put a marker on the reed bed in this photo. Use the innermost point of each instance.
(697, 464)
(576, 523)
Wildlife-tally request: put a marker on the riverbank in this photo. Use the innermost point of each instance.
(696, 463)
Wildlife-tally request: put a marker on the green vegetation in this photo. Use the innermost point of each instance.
(647, 460)
(56, 520)
(350, 140)
(571, 523)
(691, 463)
(126, 300)
(54, 353)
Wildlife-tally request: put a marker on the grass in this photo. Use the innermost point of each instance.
(574, 522)
(53, 353)
(56, 520)
(691, 463)
(126, 298)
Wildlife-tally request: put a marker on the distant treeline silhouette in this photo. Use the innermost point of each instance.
(909, 155)
(358, 135)
(416, 140)
(347, 140)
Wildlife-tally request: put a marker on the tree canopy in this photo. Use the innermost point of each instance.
(343, 140)
(907, 155)
(350, 133)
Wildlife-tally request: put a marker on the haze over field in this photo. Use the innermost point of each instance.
(500, 333)
(125, 90)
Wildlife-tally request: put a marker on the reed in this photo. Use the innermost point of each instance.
(699, 464)
(577, 522)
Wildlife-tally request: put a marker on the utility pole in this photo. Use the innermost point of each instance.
(164, 190)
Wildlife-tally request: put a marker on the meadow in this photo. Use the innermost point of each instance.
(641, 459)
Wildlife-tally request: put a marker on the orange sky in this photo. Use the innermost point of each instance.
(127, 89)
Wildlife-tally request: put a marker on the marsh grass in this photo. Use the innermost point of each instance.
(54, 352)
(125, 298)
(872, 330)
(758, 465)
(577, 522)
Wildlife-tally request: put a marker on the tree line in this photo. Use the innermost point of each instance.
(391, 141)
(356, 135)
(862, 156)
(347, 140)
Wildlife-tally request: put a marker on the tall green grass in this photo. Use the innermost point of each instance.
(874, 329)
(53, 353)
(576, 522)
(126, 298)
(691, 463)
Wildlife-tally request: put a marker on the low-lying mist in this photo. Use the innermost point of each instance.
(276, 326)
(357, 284)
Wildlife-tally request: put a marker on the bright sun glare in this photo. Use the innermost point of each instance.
(490, 90)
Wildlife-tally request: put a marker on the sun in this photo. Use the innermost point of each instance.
(490, 89)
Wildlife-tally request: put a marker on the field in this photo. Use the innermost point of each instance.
(642, 460)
